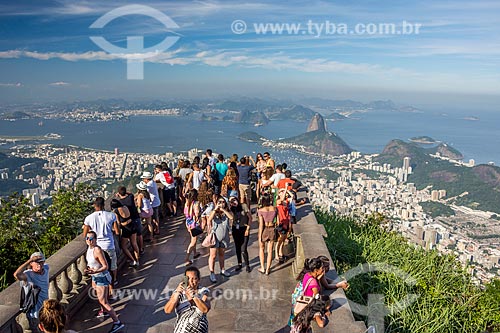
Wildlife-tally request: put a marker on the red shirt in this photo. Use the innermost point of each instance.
(286, 182)
(283, 214)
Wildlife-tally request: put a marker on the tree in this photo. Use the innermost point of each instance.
(20, 226)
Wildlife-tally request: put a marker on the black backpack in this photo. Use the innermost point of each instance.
(29, 297)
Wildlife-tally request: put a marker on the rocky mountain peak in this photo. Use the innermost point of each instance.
(317, 123)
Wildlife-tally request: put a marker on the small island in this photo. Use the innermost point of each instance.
(251, 137)
(424, 140)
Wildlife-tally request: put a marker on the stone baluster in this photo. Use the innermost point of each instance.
(82, 265)
(54, 291)
(65, 285)
(76, 276)
(22, 320)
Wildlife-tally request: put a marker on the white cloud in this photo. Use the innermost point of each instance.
(15, 85)
(59, 84)
(217, 59)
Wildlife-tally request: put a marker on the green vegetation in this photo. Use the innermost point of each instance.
(436, 209)
(423, 139)
(447, 300)
(371, 174)
(25, 229)
(329, 174)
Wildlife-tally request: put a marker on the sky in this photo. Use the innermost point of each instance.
(433, 53)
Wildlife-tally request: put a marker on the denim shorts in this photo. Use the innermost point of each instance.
(102, 279)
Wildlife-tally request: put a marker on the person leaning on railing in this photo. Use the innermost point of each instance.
(34, 273)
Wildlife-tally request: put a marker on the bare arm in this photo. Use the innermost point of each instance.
(203, 304)
(86, 229)
(174, 299)
(19, 273)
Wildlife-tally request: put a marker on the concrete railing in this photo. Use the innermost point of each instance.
(310, 244)
(68, 284)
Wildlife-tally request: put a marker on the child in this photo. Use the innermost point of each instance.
(317, 310)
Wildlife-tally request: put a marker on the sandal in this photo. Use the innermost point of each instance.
(261, 272)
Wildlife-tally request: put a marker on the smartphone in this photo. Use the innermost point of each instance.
(185, 281)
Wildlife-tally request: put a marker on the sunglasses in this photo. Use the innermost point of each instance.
(89, 238)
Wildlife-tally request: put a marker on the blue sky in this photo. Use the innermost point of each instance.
(46, 53)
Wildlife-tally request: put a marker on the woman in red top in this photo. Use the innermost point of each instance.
(284, 226)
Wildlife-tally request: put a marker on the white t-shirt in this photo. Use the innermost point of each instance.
(153, 194)
(277, 177)
(198, 177)
(102, 223)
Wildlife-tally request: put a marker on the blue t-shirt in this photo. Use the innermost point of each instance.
(244, 173)
(221, 168)
(41, 281)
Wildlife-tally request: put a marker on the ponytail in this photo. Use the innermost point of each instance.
(310, 264)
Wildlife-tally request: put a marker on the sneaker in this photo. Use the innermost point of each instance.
(212, 277)
(102, 314)
(225, 273)
(116, 327)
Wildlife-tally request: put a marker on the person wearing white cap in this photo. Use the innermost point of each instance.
(147, 178)
(36, 275)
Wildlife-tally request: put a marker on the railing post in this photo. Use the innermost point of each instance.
(54, 291)
(75, 276)
(66, 286)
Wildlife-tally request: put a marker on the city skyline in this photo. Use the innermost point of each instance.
(46, 52)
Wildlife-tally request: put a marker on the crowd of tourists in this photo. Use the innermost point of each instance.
(215, 195)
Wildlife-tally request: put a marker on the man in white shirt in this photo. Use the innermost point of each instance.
(275, 179)
(104, 223)
(147, 178)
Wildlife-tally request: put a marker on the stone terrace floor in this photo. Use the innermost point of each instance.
(162, 267)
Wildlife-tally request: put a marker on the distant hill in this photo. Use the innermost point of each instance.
(251, 137)
(294, 112)
(247, 117)
(15, 115)
(482, 182)
(382, 105)
(335, 116)
(321, 142)
(423, 139)
(447, 151)
(318, 140)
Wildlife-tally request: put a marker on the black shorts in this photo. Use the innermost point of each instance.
(169, 195)
(129, 230)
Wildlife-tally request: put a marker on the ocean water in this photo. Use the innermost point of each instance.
(368, 133)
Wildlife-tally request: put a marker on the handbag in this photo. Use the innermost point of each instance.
(196, 231)
(210, 240)
(302, 301)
